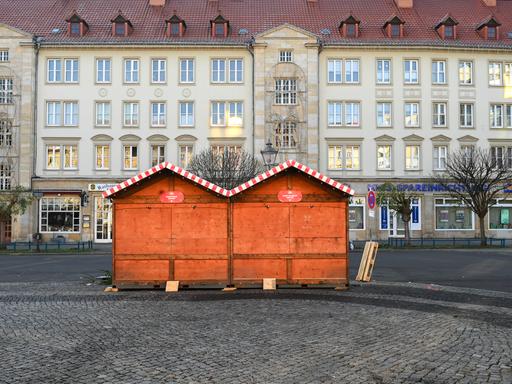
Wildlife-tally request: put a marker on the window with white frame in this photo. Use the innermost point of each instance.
(344, 157)
(186, 151)
(157, 154)
(5, 133)
(130, 157)
(53, 157)
(102, 113)
(5, 177)
(53, 113)
(70, 113)
(352, 114)
(285, 135)
(384, 157)
(334, 70)
(103, 71)
(158, 114)
(440, 157)
(62, 113)
(501, 156)
(356, 213)
(63, 156)
(236, 70)
(286, 92)
(500, 115)
(187, 71)
(411, 71)
(387, 217)
(507, 74)
(500, 214)
(60, 214)
(71, 70)
(439, 72)
(131, 70)
(412, 114)
(4, 55)
(158, 71)
(285, 56)
(439, 114)
(495, 74)
(102, 156)
(352, 71)
(218, 70)
(467, 150)
(383, 71)
(465, 72)
(54, 70)
(130, 114)
(70, 158)
(220, 149)
(466, 115)
(6, 91)
(235, 117)
(334, 113)
(352, 157)
(384, 114)
(335, 160)
(452, 215)
(218, 113)
(350, 117)
(412, 157)
(186, 113)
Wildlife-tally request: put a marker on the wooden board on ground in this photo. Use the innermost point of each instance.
(367, 261)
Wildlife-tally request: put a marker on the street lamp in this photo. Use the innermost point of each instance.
(37, 236)
(269, 154)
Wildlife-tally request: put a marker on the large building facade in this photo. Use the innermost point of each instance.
(366, 94)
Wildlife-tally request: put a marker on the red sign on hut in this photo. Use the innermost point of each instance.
(172, 197)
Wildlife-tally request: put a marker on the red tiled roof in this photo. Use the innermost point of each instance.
(40, 17)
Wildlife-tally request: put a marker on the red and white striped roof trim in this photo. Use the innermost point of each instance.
(158, 168)
(224, 192)
(300, 167)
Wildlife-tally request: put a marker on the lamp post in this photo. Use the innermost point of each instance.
(38, 195)
(269, 154)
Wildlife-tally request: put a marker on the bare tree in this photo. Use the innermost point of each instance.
(475, 177)
(227, 168)
(399, 201)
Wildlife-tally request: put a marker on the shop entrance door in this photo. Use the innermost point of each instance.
(396, 225)
(102, 220)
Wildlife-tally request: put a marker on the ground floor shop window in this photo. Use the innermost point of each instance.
(356, 219)
(500, 214)
(60, 214)
(451, 215)
(392, 221)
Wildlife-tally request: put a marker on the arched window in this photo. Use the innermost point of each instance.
(285, 135)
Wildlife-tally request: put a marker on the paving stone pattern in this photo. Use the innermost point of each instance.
(71, 333)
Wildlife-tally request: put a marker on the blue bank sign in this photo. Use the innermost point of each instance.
(427, 187)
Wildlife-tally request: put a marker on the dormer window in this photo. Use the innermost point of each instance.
(394, 27)
(121, 26)
(220, 27)
(447, 28)
(349, 27)
(489, 29)
(175, 26)
(77, 26)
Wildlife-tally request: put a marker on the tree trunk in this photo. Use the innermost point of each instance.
(483, 240)
(407, 232)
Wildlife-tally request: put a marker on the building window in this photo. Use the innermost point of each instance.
(351, 117)
(334, 70)
(439, 114)
(344, 157)
(411, 71)
(102, 157)
(218, 113)
(103, 113)
(356, 214)
(186, 114)
(131, 71)
(53, 113)
(352, 114)
(495, 75)
(334, 113)
(71, 70)
(5, 133)
(175, 29)
(61, 157)
(53, 156)
(392, 220)
(70, 157)
(103, 70)
(465, 72)
(412, 157)
(130, 114)
(449, 31)
(158, 114)
(440, 156)
(384, 157)
(412, 114)
(130, 157)
(157, 154)
(187, 71)
(496, 115)
(384, 115)
(335, 157)
(4, 55)
(236, 70)
(218, 68)
(501, 156)
(285, 135)
(218, 71)
(466, 115)
(186, 153)
(500, 214)
(219, 150)
(158, 70)
(219, 29)
(6, 91)
(395, 30)
(491, 33)
(452, 215)
(352, 71)
(236, 114)
(286, 92)
(120, 29)
(507, 74)
(54, 74)
(383, 71)
(5, 177)
(60, 214)
(285, 56)
(352, 157)
(74, 28)
(70, 113)
(439, 72)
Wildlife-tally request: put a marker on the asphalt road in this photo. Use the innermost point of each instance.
(484, 269)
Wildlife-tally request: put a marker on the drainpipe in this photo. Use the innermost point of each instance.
(37, 43)
(320, 46)
(251, 51)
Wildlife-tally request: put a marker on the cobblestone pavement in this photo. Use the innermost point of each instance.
(377, 333)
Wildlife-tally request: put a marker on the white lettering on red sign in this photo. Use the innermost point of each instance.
(289, 196)
(172, 197)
